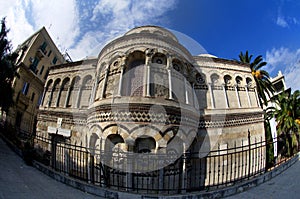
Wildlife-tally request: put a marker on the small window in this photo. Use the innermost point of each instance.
(40, 100)
(25, 88)
(46, 75)
(54, 60)
(34, 65)
(43, 47)
(42, 70)
(32, 96)
(49, 53)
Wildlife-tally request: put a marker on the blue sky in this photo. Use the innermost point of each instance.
(224, 28)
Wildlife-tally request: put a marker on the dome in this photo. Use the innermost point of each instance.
(207, 55)
(153, 30)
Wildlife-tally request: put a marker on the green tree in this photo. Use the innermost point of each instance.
(261, 77)
(287, 114)
(8, 69)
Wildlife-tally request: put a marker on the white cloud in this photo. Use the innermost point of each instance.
(289, 61)
(81, 27)
(281, 22)
(116, 17)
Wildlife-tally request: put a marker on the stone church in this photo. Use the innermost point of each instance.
(146, 94)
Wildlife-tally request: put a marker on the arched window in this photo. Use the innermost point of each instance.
(227, 80)
(159, 58)
(249, 81)
(133, 78)
(144, 145)
(238, 80)
(214, 79)
(54, 94)
(64, 90)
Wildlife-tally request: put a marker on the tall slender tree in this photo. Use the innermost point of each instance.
(261, 77)
(8, 69)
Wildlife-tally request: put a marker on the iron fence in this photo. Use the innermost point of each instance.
(154, 173)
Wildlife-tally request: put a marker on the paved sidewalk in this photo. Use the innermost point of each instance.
(17, 180)
(285, 185)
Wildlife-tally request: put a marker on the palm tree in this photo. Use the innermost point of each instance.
(261, 77)
(287, 114)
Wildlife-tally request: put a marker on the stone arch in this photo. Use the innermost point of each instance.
(63, 92)
(115, 129)
(94, 138)
(55, 92)
(133, 77)
(147, 130)
(85, 91)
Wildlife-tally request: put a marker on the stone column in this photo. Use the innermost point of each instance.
(121, 76)
(237, 95)
(147, 75)
(169, 69)
(211, 96)
(225, 96)
(104, 82)
(186, 92)
(248, 97)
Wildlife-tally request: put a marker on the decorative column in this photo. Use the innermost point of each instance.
(225, 96)
(169, 69)
(186, 92)
(237, 95)
(248, 97)
(104, 82)
(211, 96)
(121, 76)
(147, 74)
(93, 92)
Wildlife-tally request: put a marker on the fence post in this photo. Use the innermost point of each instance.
(249, 144)
(92, 169)
(183, 178)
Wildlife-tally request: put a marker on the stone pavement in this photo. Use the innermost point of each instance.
(17, 180)
(285, 185)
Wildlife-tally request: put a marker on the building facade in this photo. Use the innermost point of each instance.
(36, 55)
(146, 95)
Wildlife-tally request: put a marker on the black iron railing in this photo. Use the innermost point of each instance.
(154, 173)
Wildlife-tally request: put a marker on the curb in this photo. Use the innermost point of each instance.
(220, 193)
